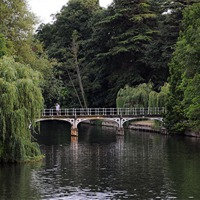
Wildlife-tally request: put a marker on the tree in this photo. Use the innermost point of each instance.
(16, 25)
(129, 43)
(75, 49)
(120, 37)
(142, 95)
(57, 39)
(21, 103)
(17, 40)
(183, 104)
(160, 49)
(3, 48)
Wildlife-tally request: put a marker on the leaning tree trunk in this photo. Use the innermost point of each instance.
(75, 55)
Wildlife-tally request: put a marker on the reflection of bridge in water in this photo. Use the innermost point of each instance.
(118, 115)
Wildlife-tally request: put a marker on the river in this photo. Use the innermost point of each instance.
(100, 165)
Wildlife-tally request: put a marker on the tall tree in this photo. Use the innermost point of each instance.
(159, 51)
(75, 49)
(184, 104)
(16, 39)
(120, 38)
(16, 25)
(75, 16)
(20, 81)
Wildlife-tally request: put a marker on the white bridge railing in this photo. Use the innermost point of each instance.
(151, 111)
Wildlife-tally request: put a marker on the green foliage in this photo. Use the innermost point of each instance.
(3, 48)
(129, 43)
(192, 102)
(153, 96)
(21, 103)
(57, 39)
(120, 102)
(141, 96)
(121, 35)
(160, 49)
(16, 24)
(111, 46)
(16, 39)
(183, 105)
(163, 95)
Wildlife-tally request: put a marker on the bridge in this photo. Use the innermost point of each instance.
(118, 115)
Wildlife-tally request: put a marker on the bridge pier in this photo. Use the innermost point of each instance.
(120, 131)
(74, 131)
(74, 139)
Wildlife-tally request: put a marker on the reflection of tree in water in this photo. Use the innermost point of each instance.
(102, 161)
(16, 181)
(183, 166)
(136, 165)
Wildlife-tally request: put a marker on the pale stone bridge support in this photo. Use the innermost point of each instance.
(118, 115)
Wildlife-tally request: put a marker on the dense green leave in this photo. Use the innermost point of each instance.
(183, 104)
(142, 96)
(21, 103)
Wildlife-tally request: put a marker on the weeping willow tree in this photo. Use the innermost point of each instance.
(142, 96)
(153, 96)
(21, 101)
(122, 96)
(134, 96)
(163, 95)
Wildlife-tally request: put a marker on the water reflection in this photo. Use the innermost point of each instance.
(183, 162)
(17, 183)
(101, 165)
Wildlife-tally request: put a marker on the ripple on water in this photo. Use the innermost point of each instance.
(77, 193)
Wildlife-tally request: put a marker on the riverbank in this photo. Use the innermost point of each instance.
(145, 125)
(191, 133)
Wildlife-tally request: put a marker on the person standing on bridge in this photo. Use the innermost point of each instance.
(57, 109)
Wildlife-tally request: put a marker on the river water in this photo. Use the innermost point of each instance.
(101, 165)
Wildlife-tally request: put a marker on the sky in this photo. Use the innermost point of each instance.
(44, 8)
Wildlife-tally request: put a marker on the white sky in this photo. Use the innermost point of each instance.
(44, 8)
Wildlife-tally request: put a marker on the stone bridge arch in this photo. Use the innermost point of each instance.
(124, 120)
(79, 120)
(71, 121)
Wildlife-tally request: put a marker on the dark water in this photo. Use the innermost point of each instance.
(100, 165)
